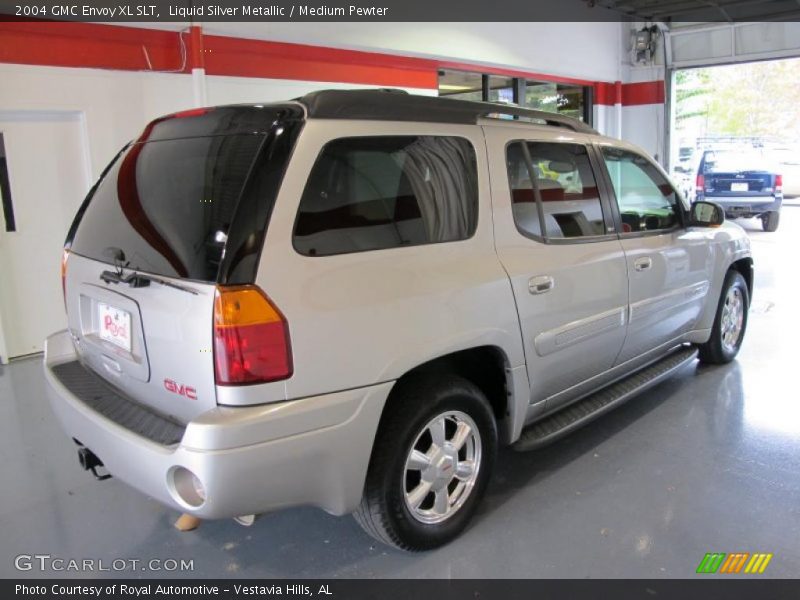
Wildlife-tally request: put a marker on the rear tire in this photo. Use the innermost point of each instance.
(420, 494)
(730, 322)
(770, 220)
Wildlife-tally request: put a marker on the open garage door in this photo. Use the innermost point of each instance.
(735, 86)
(692, 45)
(735, 136)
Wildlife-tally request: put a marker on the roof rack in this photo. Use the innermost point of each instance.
(398, 105)
(757, 141)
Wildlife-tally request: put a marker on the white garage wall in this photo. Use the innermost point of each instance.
(230, 90)
(643, 124)
(584, 50)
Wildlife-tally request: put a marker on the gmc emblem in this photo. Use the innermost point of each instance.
(181, 390)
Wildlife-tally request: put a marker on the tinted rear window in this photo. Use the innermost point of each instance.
(373, 193)
(193, 196)
(168, 205)
(736, 161)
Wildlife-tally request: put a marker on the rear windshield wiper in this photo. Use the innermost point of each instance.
(138, 280)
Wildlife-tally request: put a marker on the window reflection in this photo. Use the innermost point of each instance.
(560, 98)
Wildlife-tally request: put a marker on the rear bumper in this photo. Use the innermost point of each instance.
(314, 451)
(746, 205)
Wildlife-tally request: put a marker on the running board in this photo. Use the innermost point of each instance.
(578, 414)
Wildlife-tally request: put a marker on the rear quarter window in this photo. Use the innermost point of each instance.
(373, 193)
(565, 202)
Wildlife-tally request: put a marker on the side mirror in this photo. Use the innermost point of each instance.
(706, 214)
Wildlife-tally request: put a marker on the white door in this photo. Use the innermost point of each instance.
(49, 175)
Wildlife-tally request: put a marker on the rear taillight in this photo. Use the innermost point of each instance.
(700, 183)
(251, 337)
(778, 183)
(64, 257)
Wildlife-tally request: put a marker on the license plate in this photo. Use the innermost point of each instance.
(115, 325)
(738, 186)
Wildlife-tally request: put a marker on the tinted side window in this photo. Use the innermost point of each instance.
(372, 193)
(555, 182)
(646, 199)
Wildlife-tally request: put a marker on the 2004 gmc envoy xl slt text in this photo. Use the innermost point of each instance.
(350, 300)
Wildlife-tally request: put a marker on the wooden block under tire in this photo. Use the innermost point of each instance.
(187, 522)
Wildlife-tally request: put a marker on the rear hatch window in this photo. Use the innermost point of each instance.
(734, 162)
(188, 189)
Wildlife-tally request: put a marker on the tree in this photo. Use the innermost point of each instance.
(756, 99)
(750, 99)
(692, 87)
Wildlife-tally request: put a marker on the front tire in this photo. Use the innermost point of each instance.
(431, 463)
(730, 322)
(771, 220)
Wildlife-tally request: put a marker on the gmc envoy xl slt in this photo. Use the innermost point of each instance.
(352, 299)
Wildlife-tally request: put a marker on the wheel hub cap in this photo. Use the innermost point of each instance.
(442, 467)
(732, 319)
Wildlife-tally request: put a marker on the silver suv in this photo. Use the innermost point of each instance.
(350, 300)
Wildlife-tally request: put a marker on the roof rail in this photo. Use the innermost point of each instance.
(397, 105)
(546, 118)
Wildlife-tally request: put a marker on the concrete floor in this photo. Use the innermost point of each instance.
(708, 461)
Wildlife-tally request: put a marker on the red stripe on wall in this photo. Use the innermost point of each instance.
(605, 94)
(278, 60)
(196, 53)
(645, 92)
(629, 94)
(91, 45)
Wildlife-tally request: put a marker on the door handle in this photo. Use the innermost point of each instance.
(541, 284)
(642, 264)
